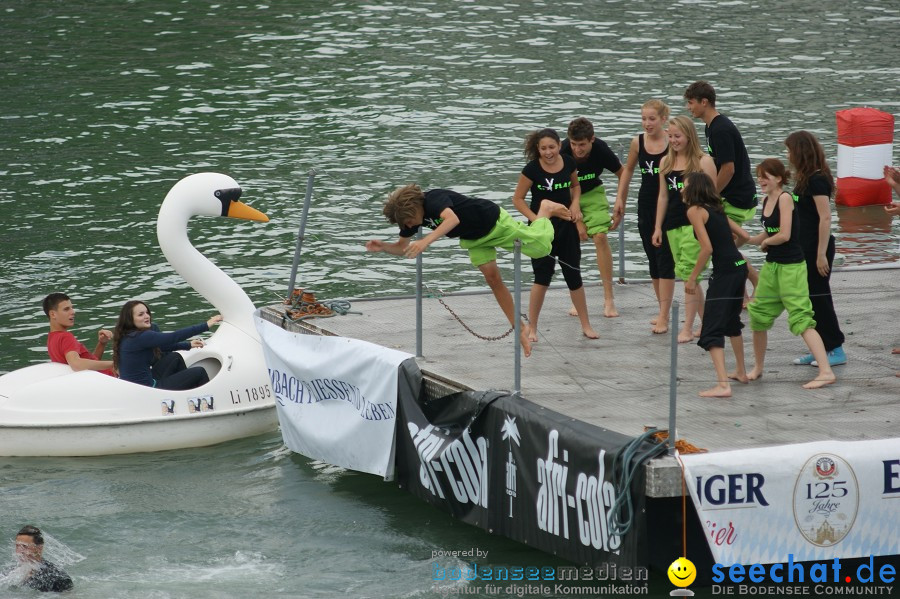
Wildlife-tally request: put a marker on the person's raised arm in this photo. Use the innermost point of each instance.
(698, 217)
(448, 223)
(519, 202)
(103, 337)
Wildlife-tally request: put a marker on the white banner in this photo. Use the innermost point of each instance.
(816, 501)
(336, 397)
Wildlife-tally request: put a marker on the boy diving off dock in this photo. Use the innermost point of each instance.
(481, 226)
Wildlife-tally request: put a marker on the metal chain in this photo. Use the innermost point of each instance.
(437, 296)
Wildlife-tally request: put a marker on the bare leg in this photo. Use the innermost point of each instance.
(753, 277)
(739, 374)
(605, 265)
(666, 293)
(692, 305)
(535, 303)
(817, 349)
(656, 292)
(760, 343)
(494, 280)
(723, 388)
(579, 300)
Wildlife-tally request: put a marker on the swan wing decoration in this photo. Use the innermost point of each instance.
(210, 194)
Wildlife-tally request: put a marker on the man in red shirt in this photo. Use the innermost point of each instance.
(62, 345)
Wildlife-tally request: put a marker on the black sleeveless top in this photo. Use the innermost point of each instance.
(790, 251)
(649, 166)
(725, 255)
(676, 211)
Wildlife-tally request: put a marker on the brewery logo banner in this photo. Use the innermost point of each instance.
(815, 501)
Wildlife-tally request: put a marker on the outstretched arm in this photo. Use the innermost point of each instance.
(396, 248)
(449, 222)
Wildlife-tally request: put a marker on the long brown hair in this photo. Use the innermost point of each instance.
(692, 150)
(534, 139)
(807, 156)
(699, 190)
(125, 326)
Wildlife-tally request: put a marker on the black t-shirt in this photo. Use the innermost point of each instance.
(816, 185)
(725, 255)
(676, 211)
(550, 186)
(788, 252)
(589, 170)
(649, 166)
(476, 216)
(725, 144)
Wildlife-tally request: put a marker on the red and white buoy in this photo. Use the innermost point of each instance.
(865, 139)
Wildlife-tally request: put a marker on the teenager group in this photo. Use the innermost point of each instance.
(691, 207)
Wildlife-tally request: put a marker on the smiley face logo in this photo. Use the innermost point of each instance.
(682, 572)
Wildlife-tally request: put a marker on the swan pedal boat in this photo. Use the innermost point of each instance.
(50, 410)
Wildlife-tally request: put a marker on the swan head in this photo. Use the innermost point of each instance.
(211, 194)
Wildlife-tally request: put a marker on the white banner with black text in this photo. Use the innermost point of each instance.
(815, 501)
(336, 397)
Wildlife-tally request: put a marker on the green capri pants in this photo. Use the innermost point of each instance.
(537, 239)
(782, 287)
(685, 250)
(595, 211)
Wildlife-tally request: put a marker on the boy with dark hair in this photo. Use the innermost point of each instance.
(39, 574)
(592, 156)
(481, 227)
(62, 345)
(724, 143)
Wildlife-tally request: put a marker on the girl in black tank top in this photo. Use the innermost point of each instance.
(725, 295)
(648, 164)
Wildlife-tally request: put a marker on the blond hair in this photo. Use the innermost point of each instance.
(661, 108)
(692, 150)
(403, 203)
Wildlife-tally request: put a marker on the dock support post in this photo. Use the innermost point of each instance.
(517, 320)
(419, 353)
(621, 233)
(300, 235)
(673, 377)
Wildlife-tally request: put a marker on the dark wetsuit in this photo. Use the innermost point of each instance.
(47, 578)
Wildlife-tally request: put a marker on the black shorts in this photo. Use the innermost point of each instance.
(659, 259)
(567, 248)
(722, 310)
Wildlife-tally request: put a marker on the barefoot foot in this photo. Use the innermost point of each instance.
(654, 320)
(660, 328)
(526, 343)
(590, 333)
(609, 310)
(549, 208)
(573, 311)
(717, 391)
(821, 381)
(685, 336)
(754, 374)
(740, 377)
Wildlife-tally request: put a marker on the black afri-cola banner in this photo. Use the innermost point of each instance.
(515, 469)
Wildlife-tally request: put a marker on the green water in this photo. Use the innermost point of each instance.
(106, 104)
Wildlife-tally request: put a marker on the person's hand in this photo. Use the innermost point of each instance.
(104, 336)
(822, 265)
(375, 245)
(617, 215)
(196, 343)
(214, 320)
(893, 209)
(656, 240)
(577, 216)
(582, 230)
(415, 248)
(690, 286)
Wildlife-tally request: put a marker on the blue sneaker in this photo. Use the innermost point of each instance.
(836, 357)
(804, 360)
